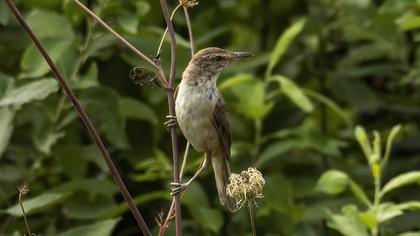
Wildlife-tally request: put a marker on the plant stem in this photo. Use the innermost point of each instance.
(190, 32)
(251, 217)
(171, 104)
(166, 31)
(119, 37)
(85, 119)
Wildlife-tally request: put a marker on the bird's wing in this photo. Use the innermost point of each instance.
(221, 123)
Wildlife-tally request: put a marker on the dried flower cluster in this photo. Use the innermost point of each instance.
(246, 187)
(188, 3)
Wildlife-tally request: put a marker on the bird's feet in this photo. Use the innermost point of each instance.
(171, 122)
(178, 188)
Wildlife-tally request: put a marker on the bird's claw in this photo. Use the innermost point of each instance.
(177, 188)
(171, 122)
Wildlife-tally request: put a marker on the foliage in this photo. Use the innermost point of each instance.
(320, 67)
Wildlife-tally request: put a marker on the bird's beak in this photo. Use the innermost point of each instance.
(240, 55)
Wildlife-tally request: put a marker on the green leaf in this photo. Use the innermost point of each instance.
(387, 211)
(283, 43)
(128, 21)
(36, 90)
(6, 127)
(364, 142)
(332, 182)
(368, 219)
(293, 92)
(102, 228)
(38, 203)
(347, 223)
(139, 200)
(274, 150)
(4, 13)
(395, 130)
(408, 22)
(49, 24)
(83, 207)
(359, 193)
(401, 180)
(250, 94)
(330, 104)
(34, 65)
(135, 109)
(278, 193)
(236, 80)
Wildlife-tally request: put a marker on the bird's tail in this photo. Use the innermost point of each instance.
(222, 173)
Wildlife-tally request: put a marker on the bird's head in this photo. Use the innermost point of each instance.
(213, 60)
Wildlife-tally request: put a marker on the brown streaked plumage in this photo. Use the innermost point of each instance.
(203, 116)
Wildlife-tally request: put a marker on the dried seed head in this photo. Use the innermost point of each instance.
(246, 187)
(188, 3)
(23, 189)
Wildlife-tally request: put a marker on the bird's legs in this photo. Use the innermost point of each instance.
(180, 187)
(171, 122)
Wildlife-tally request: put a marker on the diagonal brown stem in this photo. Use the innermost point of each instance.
(85, 119)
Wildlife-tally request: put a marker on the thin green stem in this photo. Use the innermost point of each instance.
(251, 217)
(166, 30)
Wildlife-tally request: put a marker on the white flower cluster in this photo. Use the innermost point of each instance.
(188, 3)
(246, 187)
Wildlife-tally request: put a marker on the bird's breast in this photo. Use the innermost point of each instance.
(194, 110)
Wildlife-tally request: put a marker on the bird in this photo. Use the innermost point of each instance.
(202, 116)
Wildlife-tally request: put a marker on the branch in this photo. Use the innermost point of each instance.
(190, 33)
(166, 31)
(171, 104)
(155, 65)
(169, 215)
(85, 119)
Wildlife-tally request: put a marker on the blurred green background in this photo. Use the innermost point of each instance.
(321, 67)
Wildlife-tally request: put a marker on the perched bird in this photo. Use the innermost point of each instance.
(202, 115)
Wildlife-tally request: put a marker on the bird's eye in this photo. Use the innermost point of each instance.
(218, 58)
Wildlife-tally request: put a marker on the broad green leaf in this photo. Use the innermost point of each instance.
(332, 182)
(38, 203)
(329, 103)
(45, 139)
(4, 13)
(48, 24)
(368, 219)
(34, 65)
(139, 200)
(250, 93)
(6, 127)
(102, 228)
(128, 21)
(208, 218)
(81, 206)
(408, 22)
(135, 109)
(410, 234)
(236, 80)
(103, 105)
(387, 211)
(29, 92)
(347, 223)
(401, 180)
(195, 197)
(283, 43)
(277, 198)
(274, 150)
(92, 186)
(359, 193)
(293, 92)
